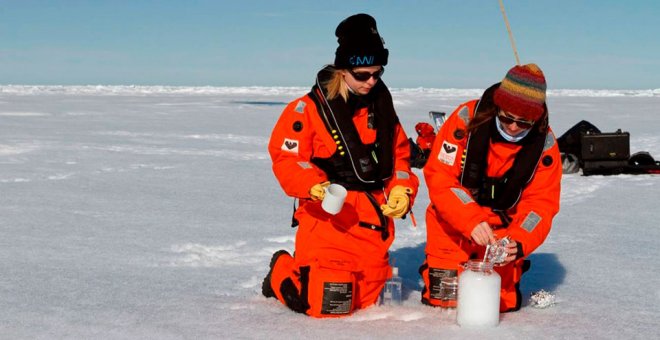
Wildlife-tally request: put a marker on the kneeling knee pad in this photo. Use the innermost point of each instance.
(330, 289)
(432, 293)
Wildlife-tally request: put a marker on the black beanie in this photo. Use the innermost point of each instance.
(360, 44)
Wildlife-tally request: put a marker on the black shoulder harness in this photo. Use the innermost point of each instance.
(356, 165)
(501, 193)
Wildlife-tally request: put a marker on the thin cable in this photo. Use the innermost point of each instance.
(508, 28)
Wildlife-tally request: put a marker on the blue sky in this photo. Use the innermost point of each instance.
(599, 44)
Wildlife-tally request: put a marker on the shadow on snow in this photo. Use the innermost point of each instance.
(545, 273)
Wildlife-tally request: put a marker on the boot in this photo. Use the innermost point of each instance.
(266, 288)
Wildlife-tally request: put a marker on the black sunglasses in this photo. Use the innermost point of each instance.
(523, 124)
(364, 76)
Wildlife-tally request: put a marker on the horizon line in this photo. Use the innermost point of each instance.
(293, 87)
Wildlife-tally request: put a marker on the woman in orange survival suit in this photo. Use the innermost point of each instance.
(344, 131)
(494, 172)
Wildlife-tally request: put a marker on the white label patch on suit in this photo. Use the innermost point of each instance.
(447, 153)
(290, 145)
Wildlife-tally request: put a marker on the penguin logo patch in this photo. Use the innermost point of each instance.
(290, 145)
(447, 154)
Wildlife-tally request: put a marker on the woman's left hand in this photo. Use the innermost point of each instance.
(511, 249)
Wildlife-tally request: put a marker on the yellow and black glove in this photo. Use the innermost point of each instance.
(397, 202)
(317, 192)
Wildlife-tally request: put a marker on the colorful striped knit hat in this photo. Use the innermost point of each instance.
(522, 92)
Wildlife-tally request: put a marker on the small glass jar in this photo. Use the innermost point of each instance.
(478, 295)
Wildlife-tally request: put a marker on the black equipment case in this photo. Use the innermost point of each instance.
(604, 152)
(605, 146)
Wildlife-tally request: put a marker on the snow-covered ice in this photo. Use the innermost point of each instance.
(152, 212)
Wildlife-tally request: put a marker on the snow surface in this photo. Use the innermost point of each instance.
(131, 212)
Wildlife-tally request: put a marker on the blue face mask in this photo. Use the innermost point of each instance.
(507, 136)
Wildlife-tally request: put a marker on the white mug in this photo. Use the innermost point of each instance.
(333, 200)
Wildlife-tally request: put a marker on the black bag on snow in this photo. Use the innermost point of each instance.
(602, 153)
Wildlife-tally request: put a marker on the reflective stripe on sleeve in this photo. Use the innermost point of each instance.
(462, 195)
(531, 221)
(305, 165)
(300, 107)
(549, 141)
(464, 114)
(402, 175)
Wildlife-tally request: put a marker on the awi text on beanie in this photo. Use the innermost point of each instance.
(360, 45)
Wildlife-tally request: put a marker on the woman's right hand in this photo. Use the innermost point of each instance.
(317, 191)
(482, 234)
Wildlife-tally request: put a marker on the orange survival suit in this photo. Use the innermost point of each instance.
(341, 261)
(456, 208)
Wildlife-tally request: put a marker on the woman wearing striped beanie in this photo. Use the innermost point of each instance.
(494, 178)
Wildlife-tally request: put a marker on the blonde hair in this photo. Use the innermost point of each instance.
(336, 86)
